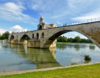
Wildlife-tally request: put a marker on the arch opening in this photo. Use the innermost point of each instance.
(53, 37)
(56, 35)
(12, 37)
(25, 37)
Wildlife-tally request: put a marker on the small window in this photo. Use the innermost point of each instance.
(37, 36)
(42, 35)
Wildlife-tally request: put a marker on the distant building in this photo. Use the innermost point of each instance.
(42, 25)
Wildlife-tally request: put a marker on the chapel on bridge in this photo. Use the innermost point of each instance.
(42, 25)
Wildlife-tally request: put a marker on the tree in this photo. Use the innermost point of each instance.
(4, 35)
(62, 39)
(77, 39)
(70, 40)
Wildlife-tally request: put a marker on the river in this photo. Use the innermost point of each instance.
(18, 57)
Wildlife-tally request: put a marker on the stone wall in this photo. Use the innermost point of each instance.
(48, 40)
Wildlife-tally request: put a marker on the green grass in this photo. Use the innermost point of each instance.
(89, 71)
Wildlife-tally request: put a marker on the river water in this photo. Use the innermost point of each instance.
(18, 57)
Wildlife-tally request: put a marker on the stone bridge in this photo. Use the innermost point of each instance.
(46, 35)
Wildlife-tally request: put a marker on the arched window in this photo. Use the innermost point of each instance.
(37, 36)
(33, 36)
(42, 35)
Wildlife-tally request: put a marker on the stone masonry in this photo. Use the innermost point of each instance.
(45, 36)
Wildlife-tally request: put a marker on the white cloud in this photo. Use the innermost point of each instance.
(14, 8)
(74, 34)
(15, 28)
(14, 12)
(18, 28)
(52, 9)
(58, 10)
(89, 17)
(35, 7)
(2, 31)
(79, 4)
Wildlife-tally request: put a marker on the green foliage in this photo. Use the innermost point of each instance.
(77, 39)
(87, 58)
(62, 39)
(4, 36)
(86, 41)
(70, 40)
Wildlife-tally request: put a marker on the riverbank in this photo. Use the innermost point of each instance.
(74, 43)
(82, 71)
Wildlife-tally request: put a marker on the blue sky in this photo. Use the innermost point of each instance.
(23, 15)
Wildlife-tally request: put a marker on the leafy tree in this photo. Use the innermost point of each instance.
(70, 40)
(4, 35)
(62, 39)
(77, 39)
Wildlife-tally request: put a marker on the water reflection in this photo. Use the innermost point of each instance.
(18, 57)
(42, 58)
(61, 46)
(26, 49)
(76, 46)
(92, 47)
(73, 54)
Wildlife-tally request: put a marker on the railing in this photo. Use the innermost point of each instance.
(86, 21)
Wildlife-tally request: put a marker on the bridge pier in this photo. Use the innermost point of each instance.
(41, 44)
(18, 42)
(33, 44)
(13, 41)
(49, 44)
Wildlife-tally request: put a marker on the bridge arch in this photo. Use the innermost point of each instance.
(51, 39)
(12, 37)
(25, 37)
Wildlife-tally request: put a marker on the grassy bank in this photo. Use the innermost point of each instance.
(89, 71)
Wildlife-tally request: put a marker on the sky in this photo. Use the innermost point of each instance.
(23, 15)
